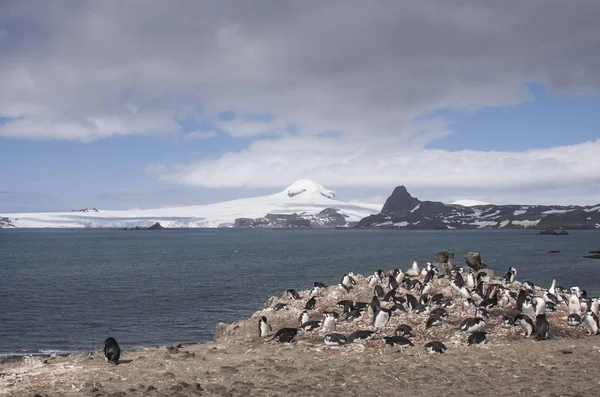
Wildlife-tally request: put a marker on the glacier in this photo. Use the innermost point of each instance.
(302, 197)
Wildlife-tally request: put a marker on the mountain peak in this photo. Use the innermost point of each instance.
(306, 187)
(400, 200)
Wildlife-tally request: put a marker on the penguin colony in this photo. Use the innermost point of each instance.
(402, 309)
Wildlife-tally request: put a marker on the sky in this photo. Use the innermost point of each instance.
(147, 103)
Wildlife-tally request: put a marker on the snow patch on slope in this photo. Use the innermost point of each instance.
(469, 202)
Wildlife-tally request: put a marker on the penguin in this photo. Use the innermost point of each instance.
(361, 305)
(334, 339)
(329, 322)
(404, 330)
(397, 308)
(381, 318)
(529, 285)
(425, 288)
(398, 341)
(264, 329)
(595, 306)
(374, 280)
(286, 335)
(476, 338)
(552, 289)
(355, 315)
(526, 324)
(280, 306)
(411, 301)
(391, 294)
(293, 294)
(469, 305)
(482, 313)
(304, 317)
(311, 325)
(521, 299)
(318, 284)
(511, 274)
(374, 305)
(440, 312)
(584, 303)
(399, 275)
(416, 285)
(425, 270)
(488, 303)
(112, 351)
(433, 321)
(574, 319)
(507, 321)
(449, 303)
(348, 281)
(539, 305)
(346, 305)
(574, 304)
(430, 276)
(465, 292)
(378, 291)
(470, 280)
(311, 303)
(459, 280)
(435, 347)
(471, 325)
(590, 320)
(392, 283)
(528, 309)
(541, 327)
(421, 309)
(360, 334)
(437, 299)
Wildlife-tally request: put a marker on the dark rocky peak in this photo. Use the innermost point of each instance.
(399, 201)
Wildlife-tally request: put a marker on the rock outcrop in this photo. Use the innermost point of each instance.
(6, 222)
(444, 262)
(473, 260)
(403, 211)
(328, 218)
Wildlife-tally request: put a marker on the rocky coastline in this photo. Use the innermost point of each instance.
(240, 362)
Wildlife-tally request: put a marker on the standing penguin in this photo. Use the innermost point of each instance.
(112, 351)
(328, 322)
(590, 320)
(574, 304)
(511, 274)
(381, 318)
(541, 327)
(526, 324)
(264, 329)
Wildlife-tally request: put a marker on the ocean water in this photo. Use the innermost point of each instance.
(67, 290)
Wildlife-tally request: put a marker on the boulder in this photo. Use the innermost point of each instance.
(473, 260)
(444, 263)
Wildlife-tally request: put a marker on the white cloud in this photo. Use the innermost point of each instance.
(103, 69)
(347, 163)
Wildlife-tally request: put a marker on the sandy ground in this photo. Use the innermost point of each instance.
(240, 363)
(558, 367)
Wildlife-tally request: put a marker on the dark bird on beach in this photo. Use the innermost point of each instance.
(435, 347)
(112, 351)
(476, 338)
(311, 303)
(286, 335)
(541, 327)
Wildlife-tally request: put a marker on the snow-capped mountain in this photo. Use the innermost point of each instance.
(403, 211)
(469, 202)
(305, 198)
